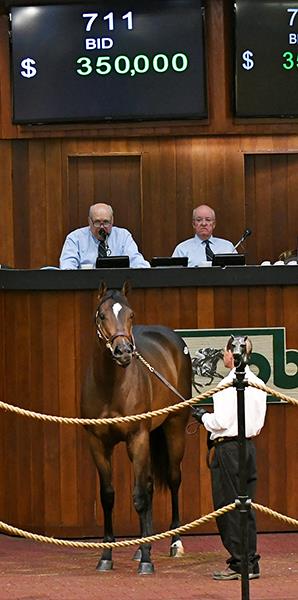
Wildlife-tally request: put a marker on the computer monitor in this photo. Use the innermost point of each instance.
(169, 261)
(112, 262)
(73, 61)
(227, 260)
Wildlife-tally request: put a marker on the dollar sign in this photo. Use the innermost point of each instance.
(247, 57)
(27, 64)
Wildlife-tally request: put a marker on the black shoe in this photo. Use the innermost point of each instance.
(226, 575)
(253, 575)
(254, 571)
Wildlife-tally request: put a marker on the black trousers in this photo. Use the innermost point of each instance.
(225, 489)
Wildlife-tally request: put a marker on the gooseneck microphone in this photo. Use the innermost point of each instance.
(245, 234)
(103, 247)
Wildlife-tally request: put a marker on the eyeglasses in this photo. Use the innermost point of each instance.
(206, 219)
(98, 224)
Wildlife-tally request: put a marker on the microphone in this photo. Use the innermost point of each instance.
(103, 239)
(245, 234)
(102, 234)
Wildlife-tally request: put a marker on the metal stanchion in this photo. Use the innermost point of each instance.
(242, 502)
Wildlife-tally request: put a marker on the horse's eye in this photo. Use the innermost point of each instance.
(132, 314)
(101, 316)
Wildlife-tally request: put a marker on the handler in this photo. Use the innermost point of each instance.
(223, 427)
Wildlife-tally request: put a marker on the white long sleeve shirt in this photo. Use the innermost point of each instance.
(222, 422)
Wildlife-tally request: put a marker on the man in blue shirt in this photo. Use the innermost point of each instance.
(80, 249)
(203, 245)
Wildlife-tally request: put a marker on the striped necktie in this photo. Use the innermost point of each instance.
(209, 253)
(102, 249)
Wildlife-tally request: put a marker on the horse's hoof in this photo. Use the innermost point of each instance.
(145, 568)
(104, 565)
(137, 555)
(177, 549)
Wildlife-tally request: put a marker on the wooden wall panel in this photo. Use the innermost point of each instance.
(111, 178)
(48, 339)
(21, 207)
(271, 203)
(6, 204)
(47, 187)
(246, 170)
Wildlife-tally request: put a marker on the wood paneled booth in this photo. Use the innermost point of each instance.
(47, 330)
(153, 173)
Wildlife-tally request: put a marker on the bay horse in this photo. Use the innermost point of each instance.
(118, 384)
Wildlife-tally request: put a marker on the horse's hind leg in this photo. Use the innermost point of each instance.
(175, 438)
(102, 458)
(139, 453)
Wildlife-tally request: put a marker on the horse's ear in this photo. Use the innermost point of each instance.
(126, 288)
(102, 290)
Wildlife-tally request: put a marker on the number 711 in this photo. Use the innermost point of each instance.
(294, 12)
(109, 18)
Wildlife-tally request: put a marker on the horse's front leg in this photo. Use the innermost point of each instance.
(139, 453)
(174, 432)
(102, 459)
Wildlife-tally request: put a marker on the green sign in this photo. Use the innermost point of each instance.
(270, 360)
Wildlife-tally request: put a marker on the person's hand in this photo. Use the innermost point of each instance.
(198, 412)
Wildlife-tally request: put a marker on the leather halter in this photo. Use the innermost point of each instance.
(109, 340)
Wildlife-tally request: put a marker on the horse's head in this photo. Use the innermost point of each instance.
(113, 320)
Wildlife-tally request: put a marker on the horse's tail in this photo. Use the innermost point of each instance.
(159, 457)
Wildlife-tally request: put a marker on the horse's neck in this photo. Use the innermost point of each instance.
(105, 369)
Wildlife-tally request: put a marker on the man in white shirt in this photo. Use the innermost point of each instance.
(222, 424)
(83, 246)
(200, 248)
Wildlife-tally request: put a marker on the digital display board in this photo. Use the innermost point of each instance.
(119, 60)
(266, 58)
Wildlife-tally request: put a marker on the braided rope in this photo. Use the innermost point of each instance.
(144, 540)
(175, 407)
(107, 421)
(148, 415)
(273, 393)
(123, 543)
(276, 515)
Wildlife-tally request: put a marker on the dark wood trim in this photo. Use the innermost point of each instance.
(46, 279)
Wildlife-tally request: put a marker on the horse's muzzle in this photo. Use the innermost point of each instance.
(122, 353)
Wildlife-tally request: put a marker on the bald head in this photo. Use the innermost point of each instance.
(100, 220)
(100, 208)
(203, 210)
(203, 221)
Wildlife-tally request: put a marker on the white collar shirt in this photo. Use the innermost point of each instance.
(222, 422)
(195, 249)
(81, 248)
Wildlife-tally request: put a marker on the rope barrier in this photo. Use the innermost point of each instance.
(123, 543)
(144, 540)
(276, 515)
(109, 420)
(265, 388)
(148, 415)
(175, 407)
